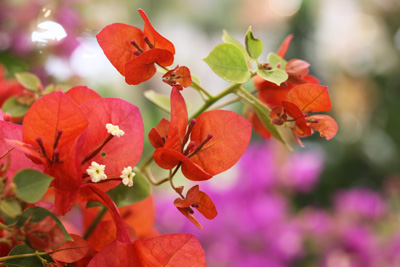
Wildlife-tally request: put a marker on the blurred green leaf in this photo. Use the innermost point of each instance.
(29, 81)
(123, 195)
(161, 101)
(10, 207)
(31, 185)
(15, 108)
(275, 76)
(228, 62)
(37, 214)
(33, 261)
(254, 46)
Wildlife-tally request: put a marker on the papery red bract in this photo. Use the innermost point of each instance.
(116, 254)
(71, 251)
(8, 88)
(179, 77)
(105, 233)
(284, 46)
(199, 200)
(115, 40)
(310, 98)
(325, 125)
(154, 37)
(142, 68)
(294, 111)
(179, 121)
(81, 94)
(44, 235)
(170, 250)
(119, 152)
(157, 134)
(130, 54)
(17, 158)
(90, 192)
(270, 93)
(229, 133)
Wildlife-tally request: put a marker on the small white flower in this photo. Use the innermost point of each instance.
(114, 130)
(96, 172)
(127, 176)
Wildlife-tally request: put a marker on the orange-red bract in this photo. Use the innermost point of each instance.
(310, 98)
(199, 200)
(179, 77)
(71, 251)
(284, 46)
(166, 250)
(133, 52)
(325, 125)
(225, 133)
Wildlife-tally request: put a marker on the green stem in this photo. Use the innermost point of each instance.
(5, 227)
(252, 98)
(93, 225)
(201, 89)
(147, 173)
(214, 99)
(171, 176)
(35, 254)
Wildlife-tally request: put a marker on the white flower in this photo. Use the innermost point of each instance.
(96, 172)
(114, 130)
(127, 176)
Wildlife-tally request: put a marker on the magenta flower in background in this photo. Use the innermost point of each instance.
(360, 202)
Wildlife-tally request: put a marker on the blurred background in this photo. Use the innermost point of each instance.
(332, 203)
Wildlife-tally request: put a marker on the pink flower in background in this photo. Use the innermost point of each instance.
(360, 202)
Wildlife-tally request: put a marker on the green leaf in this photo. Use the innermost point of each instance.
(15, 108)
(161, 101)
(32, 261)
(49, 89)
(29, 81)
(228, 62)
(31, 185)
(275, 76)
(37, 214)
(273, 60)
(254, 46)
(227, 38)
(123, 195)
(10, 207)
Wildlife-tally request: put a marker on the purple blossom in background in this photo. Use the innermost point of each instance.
(360, 202)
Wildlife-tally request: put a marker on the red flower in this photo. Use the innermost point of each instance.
(199, 200)
(179, 77)
(133, 52)
(67, 132)
(218, 138)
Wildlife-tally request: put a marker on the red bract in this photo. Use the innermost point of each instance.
(66, 137)
(179, 77)
(305, 99)
(218, 139)
(165, 250)
(8, 88)
(43, 235)
(133, 52)
(71, 251)
(199, 200)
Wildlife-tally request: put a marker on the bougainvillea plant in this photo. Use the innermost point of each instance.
(78, 153)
